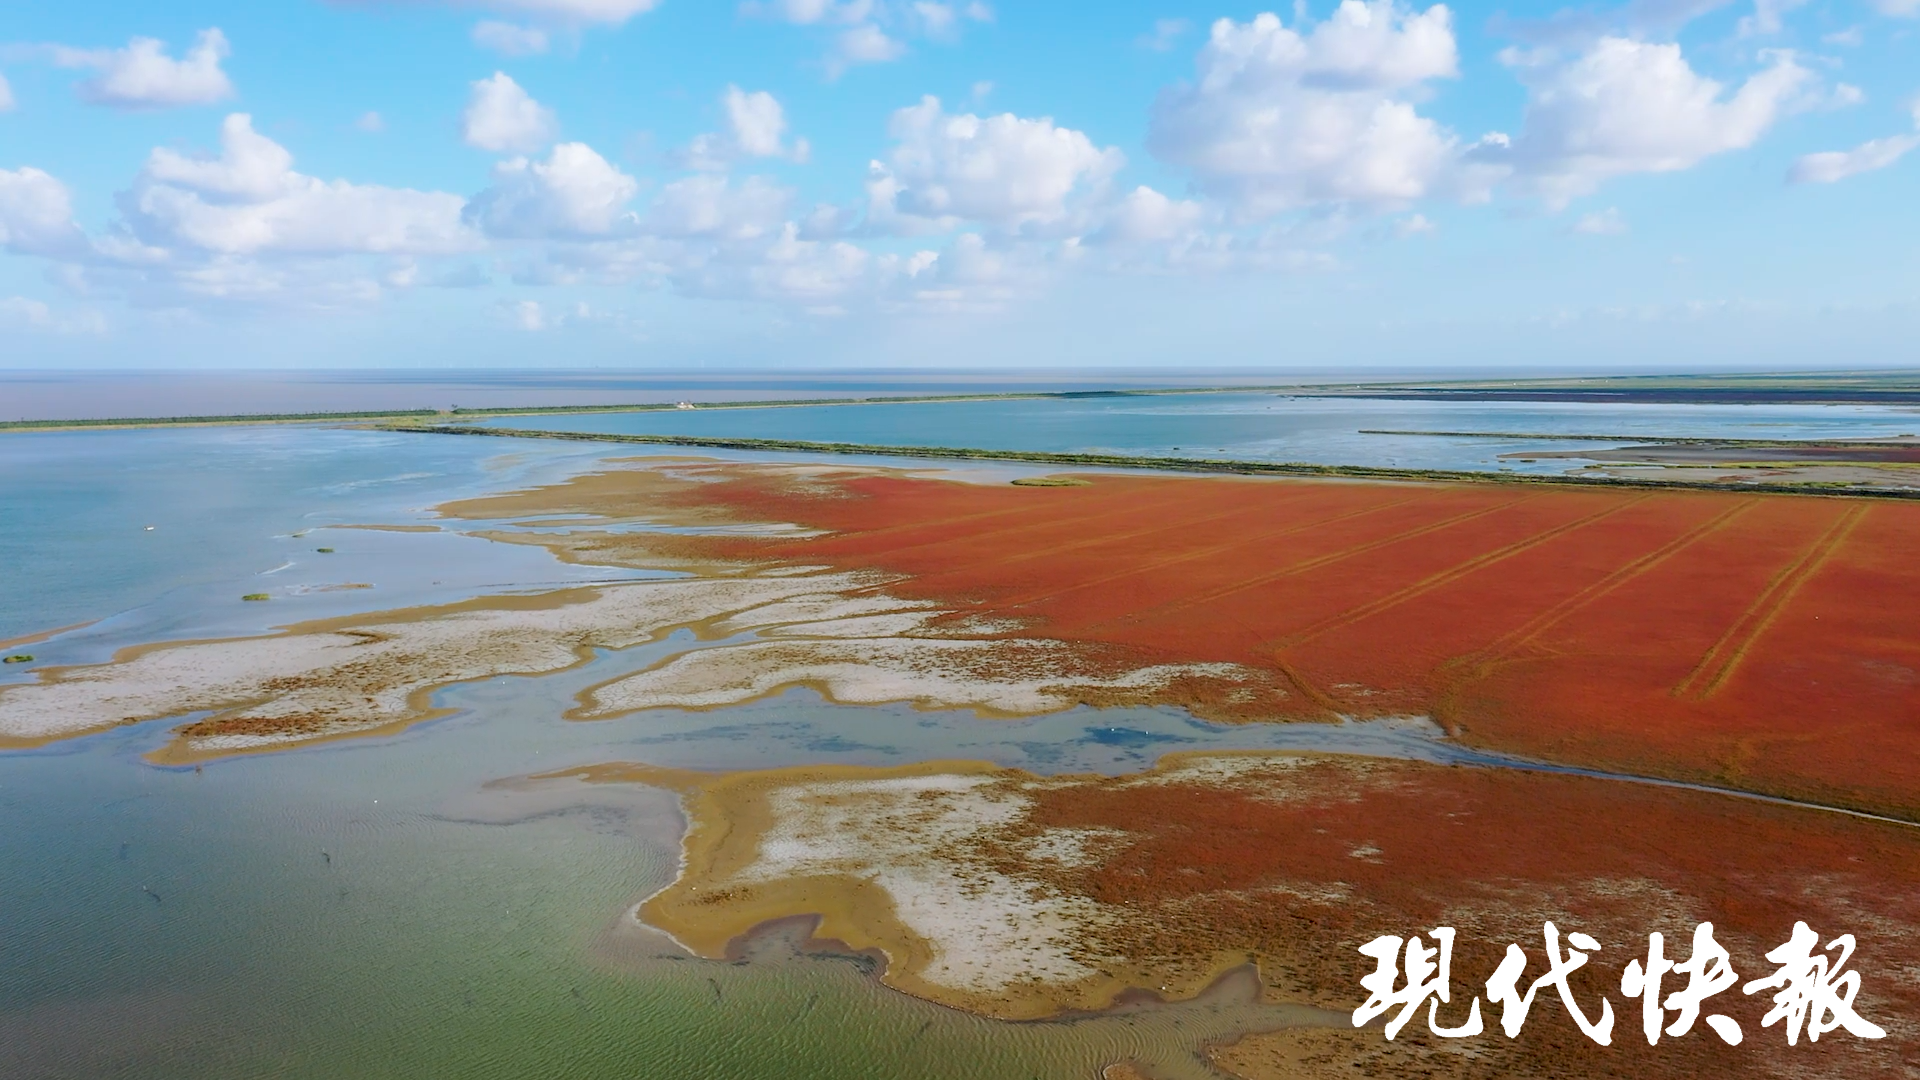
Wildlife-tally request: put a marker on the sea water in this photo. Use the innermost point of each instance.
(1255, 426)
(378, 908)
(163, 530)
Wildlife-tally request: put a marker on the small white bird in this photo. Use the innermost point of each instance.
(149, 528)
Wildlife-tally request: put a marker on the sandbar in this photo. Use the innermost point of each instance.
(1021, 896)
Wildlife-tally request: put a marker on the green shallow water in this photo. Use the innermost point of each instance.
(379, 909)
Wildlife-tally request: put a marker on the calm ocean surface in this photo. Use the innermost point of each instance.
(224, 505)
(1252, 426)
(186, 923)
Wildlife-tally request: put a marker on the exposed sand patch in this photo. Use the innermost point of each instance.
(35, 639)
(1879, 477)
(362, 674)
(1016, 677)
(662, 489)
(1020, 896)
(985, 930)
(370, 672)
(871, 852)
(939, 867)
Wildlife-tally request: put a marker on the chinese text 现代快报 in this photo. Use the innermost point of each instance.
(1814, 992)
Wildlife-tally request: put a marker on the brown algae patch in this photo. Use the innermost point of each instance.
(664, 490)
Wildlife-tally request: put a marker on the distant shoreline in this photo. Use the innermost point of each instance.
(562, 410)
(1162, 464)
(1834, 388)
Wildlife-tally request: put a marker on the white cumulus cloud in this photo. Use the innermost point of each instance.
(756, 128)
(1279, 118)
(565, 12)
(250, 201)
(600, 11)
(36, 214)
(756, 121)
(820, 275)
(865, 44)
(1145, 215)
(1836, 165)
(872, 31)
(811, 12)
(1004, 170)
(250, 168)
(143, 76)
(1768, 17)
(502, 117)
(715, 206)
(528, 315)
(1626, 106)
(573, 193)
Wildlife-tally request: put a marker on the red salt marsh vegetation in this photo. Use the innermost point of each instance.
(1167, 878)
(1300, 870)
(1762, 641)
(1746, 639)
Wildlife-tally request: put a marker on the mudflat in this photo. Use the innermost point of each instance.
(1024, 896)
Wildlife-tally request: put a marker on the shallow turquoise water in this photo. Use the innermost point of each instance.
(381, 908)
(378, 909)
(224, 503)
(1252, 426)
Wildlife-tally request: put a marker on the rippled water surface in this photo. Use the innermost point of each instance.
(381, 908)
(1254, 426)
(163, 530)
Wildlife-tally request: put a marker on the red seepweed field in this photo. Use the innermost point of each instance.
(1769, 642)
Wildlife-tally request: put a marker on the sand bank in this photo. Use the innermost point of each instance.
(995, 677)
(365, 673)
(35, 639)
(1021, 896)
(839, 631)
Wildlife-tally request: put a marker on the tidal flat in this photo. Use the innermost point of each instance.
(478, 815)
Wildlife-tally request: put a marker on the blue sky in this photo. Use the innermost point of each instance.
(661, 183)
